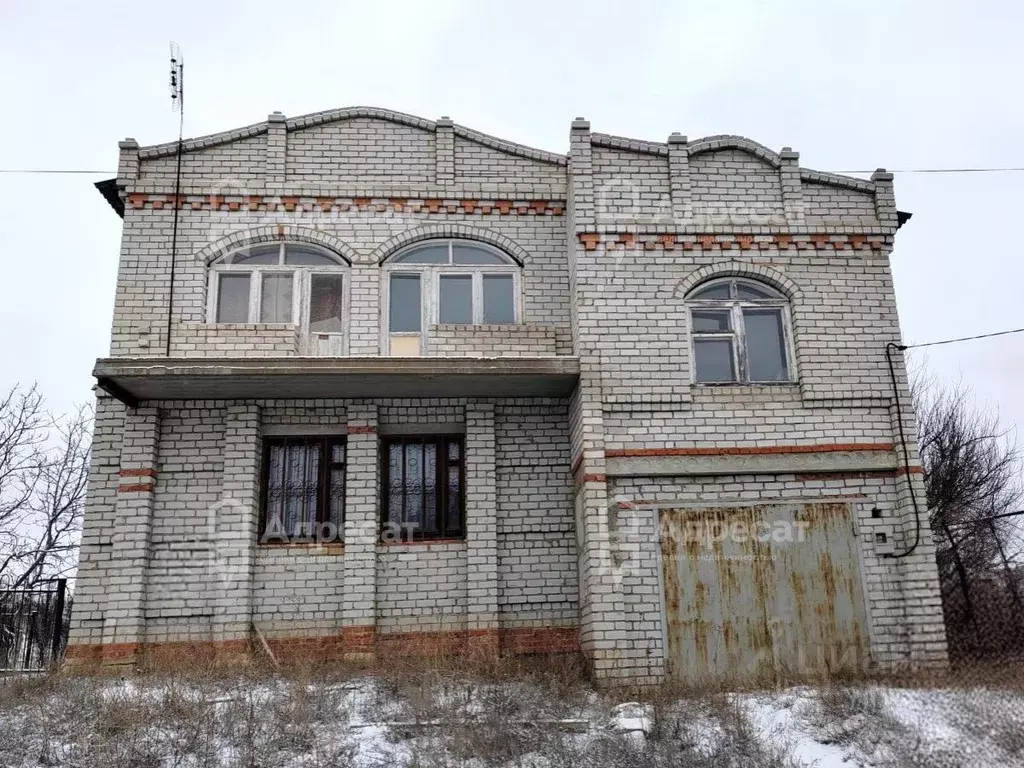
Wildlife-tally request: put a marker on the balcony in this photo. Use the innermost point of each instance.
(134, 380)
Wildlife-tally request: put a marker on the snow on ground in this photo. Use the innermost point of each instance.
(454, 720)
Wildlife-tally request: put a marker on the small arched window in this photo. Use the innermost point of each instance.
(740, 332)
(460, 282)
(291, 283)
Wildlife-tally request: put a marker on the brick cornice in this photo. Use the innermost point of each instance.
(327, 204)
(736, 241)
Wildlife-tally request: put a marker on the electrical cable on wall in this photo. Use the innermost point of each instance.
(906, 452)
(177, 103)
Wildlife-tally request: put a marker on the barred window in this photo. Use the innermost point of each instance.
(303, 489)
(424, 486)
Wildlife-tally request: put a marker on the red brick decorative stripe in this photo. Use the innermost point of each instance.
(749, 450)
(136, 488)
(291, 203)
(595, 477)
(361, 641)
(734, 241)
(361, 430)
(147, 472)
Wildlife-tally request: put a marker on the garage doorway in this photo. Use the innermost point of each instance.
(762, 594)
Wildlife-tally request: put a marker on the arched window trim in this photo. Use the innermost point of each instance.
(738, 308)
(303, 277)
(430, 276)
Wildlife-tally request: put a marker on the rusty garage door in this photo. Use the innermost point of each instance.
(762, 593)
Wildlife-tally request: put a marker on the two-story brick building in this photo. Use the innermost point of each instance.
(379, 384)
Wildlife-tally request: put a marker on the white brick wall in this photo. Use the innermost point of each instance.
(610, 239)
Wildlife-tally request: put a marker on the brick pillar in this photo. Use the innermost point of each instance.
(232, 523)
(481, 530)
(792, 189)
(359, 603)
(95, 567)
(581, 178)
(679, 178)
(124, 626)
(277, 150)
(885, 200)
(364, 310)
(601, 607)
(444, 148)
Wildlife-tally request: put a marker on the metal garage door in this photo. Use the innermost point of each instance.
(762, 593)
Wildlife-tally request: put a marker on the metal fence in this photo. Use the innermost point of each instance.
(34, 626)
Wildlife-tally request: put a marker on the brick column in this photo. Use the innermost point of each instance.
(679, 178)
(481, 530)
(232, 524)
(277, 150)
(581, 178)
(444, 149)
(792, 190)
(885, 200)
(359, 603)
(124, 626)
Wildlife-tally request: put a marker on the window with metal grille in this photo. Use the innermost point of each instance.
(303, 489)
(424, 486)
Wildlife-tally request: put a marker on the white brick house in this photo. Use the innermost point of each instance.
(416, 388)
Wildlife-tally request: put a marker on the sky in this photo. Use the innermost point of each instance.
(850, 85)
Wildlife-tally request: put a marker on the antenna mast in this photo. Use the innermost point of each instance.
(177, 85)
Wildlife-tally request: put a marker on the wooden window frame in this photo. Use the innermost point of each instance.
(327, 442)
(736, 334)
(445, 530)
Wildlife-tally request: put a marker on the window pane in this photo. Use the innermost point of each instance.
(713, 360)
(499, 299)
(338, 453)
(710, 320)
(414, 486)
(750, 292)
(453, 524)
(396, 476)
(428, 254)
(275, 487)
(261, 254)
(310, 257)
(336, 499)
(276, 299)
(720, 291)
(233, 298)
(299, 489)
(325, 292)
(766, 345)
(454, 450)
(405, 303)
(430, 488)
(456, 299)
(473, 254)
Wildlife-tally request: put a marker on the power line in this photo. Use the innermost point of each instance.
(51, 170)
(888, 170)
(962, 338)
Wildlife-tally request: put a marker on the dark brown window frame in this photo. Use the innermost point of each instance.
(327, 443)
(445, 529)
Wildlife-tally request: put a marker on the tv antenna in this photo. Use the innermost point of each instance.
(177, 85)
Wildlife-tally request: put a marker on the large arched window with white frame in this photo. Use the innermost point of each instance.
(740, 331)
(293, 283)
(450, 281)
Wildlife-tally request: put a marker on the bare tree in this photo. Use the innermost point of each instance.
(44, 466)
(972, 472)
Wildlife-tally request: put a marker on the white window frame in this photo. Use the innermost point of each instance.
(737, 333)
(430, 287)
(302, 281)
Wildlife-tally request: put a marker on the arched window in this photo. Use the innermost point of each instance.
(291, 283)
(740, 332)
(459, 282)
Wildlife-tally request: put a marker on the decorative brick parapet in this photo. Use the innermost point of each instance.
(210, 340)
(295, 203)
(527, 340)
(739, 241)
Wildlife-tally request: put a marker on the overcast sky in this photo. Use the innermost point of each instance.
(850, 85)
